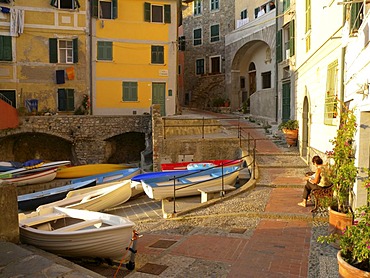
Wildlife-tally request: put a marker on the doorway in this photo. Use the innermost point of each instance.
(159, 96)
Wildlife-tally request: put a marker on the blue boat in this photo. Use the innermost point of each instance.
(31, 201)
(170, 174)
(110, 176)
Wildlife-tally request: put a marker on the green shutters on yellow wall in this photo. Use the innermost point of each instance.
(147, 12)
(167, 13)
(114, 8)
(356, 17)
(53, 50)
(95, 8)
(75, 50)
(291, 38)
(6, 48)
(279, 49)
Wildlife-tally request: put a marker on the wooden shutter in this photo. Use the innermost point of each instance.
(291, 38)
(70, 99)
(355, 20)
(115, 9)
(279, 46)
(54, 3)
(286, 102)
(147, 12)
(308, 15)
(62, 103)
(167, 13)
(53, 50)
(75, 50)
(6, 48)
(95, 8)
(77, 4)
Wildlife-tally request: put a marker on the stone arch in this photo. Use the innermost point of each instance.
(25, 146)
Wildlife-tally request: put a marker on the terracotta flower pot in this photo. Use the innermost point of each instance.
(338, 221)
(291, 136)
(348, 271)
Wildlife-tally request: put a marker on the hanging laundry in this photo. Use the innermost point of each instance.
(5, 10)
(16, 22)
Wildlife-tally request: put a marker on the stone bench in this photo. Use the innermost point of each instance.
(211, 192)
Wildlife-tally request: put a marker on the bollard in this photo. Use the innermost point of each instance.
(131, 264)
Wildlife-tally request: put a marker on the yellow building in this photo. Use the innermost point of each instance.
(44, 58)
(134, 50)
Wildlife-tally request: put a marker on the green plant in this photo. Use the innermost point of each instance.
(290, 124)
(354, 242)
(342, 171)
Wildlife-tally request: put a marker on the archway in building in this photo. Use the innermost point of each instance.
(305, 129)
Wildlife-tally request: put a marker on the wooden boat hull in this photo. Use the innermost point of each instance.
(96, 235)
(97, 198)
(34, 178)
(31, 201)
(39, 168)
(162, 188)
(88, 170)
(191, 165)
(110, 176)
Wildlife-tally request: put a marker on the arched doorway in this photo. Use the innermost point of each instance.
(305, 129)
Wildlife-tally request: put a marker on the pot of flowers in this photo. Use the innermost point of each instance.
(342, 172)
(290, 130)
(354, 254)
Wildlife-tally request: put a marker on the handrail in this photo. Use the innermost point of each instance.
(4, 98)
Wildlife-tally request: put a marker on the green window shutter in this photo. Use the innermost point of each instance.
(157, 54)
(129, 91)
(75, 50)
(308, 15)
(70, 99)
(167, 13)
(6, 48)
(291, 38)
(115, 10)
(279, 46)
(53, 50)
(95, 8)
(54, 3)
(147, 12)
(62, 103)
(330, 94)
(105, 51)
(355, 17)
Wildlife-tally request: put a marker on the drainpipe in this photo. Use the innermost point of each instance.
(91, 57)
(276, 64)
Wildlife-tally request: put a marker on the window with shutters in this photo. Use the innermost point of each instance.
(66, 100)
(215, 33)
(244, 14)
(157, 54)
(6, 48)
(65, 4)
(199, 66)
(197, 34)
(129, 91)
(356, 17)
(291, 38)
(308, 25)
(215, 5)
(63, 51)
(197, 7)
(157, 13)
(286, 5)
(105, 51)
(331, 94)
(266, 80)
(105, 9)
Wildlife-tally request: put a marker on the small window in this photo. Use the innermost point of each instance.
(66, 100)
(63, 51)
(199, 66)
(157, 54)
(266, 80)
(106, 9)
(157, 13)
(6, 48)
(197, 7)
(105, 51)
(244, 14)
(65, 4)
(215, 33)
(129, 91)
(215, 5)
(197, 37)
(286, 5)
(215, 66)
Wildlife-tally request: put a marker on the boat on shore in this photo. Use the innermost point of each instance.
(33, 169)
(198, 165)
(31, 201)
(95, 198)
(80, 171)
(110, 176)
(33, 178)
(162, 187)
(77, 233)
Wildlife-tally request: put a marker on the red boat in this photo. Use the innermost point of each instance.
(192, 165)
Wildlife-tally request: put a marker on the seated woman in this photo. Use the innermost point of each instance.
(316, 181)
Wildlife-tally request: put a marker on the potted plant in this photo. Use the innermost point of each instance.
(290, 130)
(342, 172)
(354, 242)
